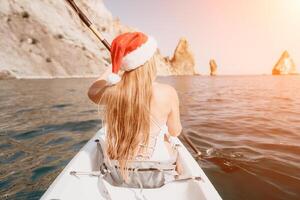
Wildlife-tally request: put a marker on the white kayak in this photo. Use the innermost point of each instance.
(71, 187)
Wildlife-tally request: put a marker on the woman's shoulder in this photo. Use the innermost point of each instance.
(164, 90)
(163, 98)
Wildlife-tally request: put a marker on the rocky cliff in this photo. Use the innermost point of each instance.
(285, 65)
(45, 39)
(213, 67)
(183, 61)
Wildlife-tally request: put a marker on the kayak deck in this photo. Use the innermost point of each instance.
(67, 186)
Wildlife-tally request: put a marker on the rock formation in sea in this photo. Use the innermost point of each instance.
(183, 61)
(285, 65)
(45, 39)
(213, 67)
(163, 64)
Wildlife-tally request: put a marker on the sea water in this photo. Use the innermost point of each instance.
(247, 127)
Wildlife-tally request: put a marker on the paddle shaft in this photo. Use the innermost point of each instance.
(89, 24)
(191, 144)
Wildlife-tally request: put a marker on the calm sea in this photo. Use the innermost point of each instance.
(248, 128)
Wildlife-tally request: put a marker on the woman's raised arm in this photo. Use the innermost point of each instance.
(98, 87)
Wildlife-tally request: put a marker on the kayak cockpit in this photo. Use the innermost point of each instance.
(67, 186)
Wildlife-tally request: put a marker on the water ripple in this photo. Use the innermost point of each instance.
(247, 127)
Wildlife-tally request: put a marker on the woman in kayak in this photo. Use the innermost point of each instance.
(140, 113)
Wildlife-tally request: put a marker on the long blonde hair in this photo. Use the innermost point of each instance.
(126, 114)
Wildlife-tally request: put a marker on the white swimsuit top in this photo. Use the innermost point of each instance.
(159, 150)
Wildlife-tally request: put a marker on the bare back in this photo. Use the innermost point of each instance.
(165, 107)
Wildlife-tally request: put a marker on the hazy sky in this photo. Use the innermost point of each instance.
(244, 36)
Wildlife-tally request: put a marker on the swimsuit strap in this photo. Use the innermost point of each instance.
(155, 122)
(153, 138)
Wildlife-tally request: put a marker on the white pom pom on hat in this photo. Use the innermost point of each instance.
(113, 79)
(130, 51)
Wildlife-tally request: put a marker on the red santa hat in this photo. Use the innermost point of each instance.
(128, 52)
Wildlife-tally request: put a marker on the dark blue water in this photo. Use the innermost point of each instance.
(248, 128)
